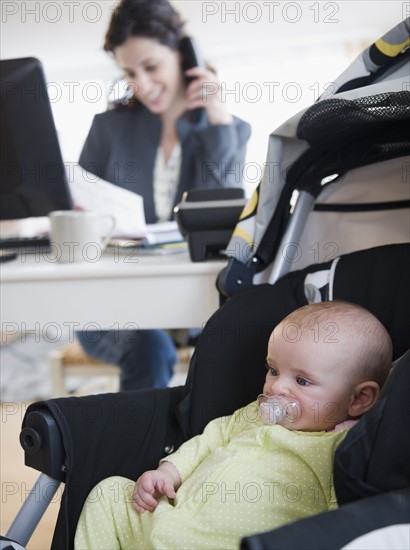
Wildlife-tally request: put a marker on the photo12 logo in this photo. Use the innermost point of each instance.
(270, 11)
(51, 12)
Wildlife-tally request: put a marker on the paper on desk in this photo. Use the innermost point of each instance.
(93, 193)
(161, 233)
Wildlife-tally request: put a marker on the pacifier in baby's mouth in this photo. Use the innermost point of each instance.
(275, 409)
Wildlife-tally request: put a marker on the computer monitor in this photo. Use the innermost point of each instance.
(32, 174)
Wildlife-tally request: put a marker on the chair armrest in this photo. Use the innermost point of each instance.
(42, 443)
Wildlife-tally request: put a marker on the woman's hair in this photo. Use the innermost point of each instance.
(154, 19)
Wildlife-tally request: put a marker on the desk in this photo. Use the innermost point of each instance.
(116, 292)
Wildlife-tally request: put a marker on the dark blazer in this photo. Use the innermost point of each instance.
(122, 144)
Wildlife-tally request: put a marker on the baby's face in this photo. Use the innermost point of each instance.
(313, 372)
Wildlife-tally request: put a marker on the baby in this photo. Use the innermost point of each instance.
(267, 464)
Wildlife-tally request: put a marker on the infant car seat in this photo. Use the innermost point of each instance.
(82, 440)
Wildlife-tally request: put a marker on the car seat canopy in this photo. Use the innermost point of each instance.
(335, 121)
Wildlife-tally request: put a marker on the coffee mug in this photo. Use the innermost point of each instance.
(77, 235)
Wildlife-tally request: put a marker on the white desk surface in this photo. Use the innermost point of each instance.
(117, 292)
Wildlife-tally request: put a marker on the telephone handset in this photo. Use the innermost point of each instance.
(191, 57)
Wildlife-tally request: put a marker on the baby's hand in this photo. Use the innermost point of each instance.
(149, 487)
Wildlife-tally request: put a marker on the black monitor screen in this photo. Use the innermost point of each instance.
(32, 174)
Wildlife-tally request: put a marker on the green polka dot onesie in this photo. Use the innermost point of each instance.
(239, 477)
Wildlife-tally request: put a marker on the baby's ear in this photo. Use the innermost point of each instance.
(363, 398)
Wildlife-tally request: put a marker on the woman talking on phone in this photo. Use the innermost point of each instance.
(167, 139)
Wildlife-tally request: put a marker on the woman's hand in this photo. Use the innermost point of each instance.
(153, 484)
(205, 92)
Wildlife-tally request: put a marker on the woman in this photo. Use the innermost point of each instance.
(153, 147)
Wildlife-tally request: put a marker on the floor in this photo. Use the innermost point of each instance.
(25, 378)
